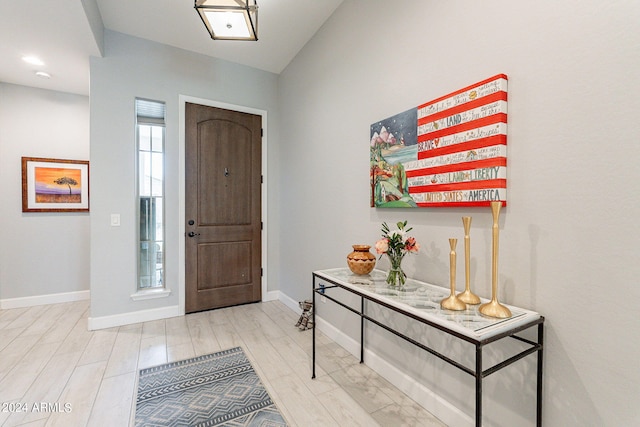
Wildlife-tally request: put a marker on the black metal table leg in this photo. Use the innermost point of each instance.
(362, 330)
(478, 385)
(313, 332)
(539, 385)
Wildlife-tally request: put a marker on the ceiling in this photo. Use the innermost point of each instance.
(60, 33)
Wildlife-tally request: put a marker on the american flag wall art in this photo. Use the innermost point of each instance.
(449, 152)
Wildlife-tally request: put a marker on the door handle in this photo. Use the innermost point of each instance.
(192, 234)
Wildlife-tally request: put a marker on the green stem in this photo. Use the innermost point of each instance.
(396, 276)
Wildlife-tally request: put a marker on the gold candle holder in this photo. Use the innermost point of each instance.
(493, 308)
(452, 302)
(467, 296)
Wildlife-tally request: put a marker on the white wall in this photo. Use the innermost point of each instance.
(569, 235)
(131, 68)
(40, 253)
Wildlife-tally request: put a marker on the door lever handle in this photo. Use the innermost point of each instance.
(192, 234)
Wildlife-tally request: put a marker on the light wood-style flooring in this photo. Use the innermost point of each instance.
(54, 372)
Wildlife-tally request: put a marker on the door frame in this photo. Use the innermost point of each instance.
(182, 100)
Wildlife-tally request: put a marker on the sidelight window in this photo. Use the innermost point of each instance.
(150, 136)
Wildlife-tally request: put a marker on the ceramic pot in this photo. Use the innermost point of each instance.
(361, 261)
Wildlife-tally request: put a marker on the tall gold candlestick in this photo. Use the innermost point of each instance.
(467, 296)
(494, 308)
(452, 302)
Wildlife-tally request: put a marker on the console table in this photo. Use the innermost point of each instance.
(421, 302)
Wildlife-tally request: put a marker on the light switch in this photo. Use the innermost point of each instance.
(115, 220)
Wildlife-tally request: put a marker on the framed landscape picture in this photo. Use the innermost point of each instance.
(55, 185)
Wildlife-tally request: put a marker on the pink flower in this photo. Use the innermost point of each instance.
(411, 245)
(382, 246)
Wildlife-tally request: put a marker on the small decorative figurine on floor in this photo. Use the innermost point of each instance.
(306, 318)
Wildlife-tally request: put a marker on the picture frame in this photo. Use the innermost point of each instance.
(55, 185)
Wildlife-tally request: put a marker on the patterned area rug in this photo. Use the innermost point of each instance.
(219, 389)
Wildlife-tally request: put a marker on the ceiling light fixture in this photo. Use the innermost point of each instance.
(33, 60)
(43, 74)
(229, 19)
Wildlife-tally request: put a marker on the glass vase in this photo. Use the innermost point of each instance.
(396, 277)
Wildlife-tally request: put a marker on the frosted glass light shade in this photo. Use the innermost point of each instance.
(229, 19)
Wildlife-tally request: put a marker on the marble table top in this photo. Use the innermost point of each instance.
(423, 300)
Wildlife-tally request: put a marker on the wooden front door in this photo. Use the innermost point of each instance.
(223, 176)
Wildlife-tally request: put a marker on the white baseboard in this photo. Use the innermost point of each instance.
(271, 296)
(425, 397)
(293, 305)
(149, 315)
(340, 338)
(104, 322)
(6, 304)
